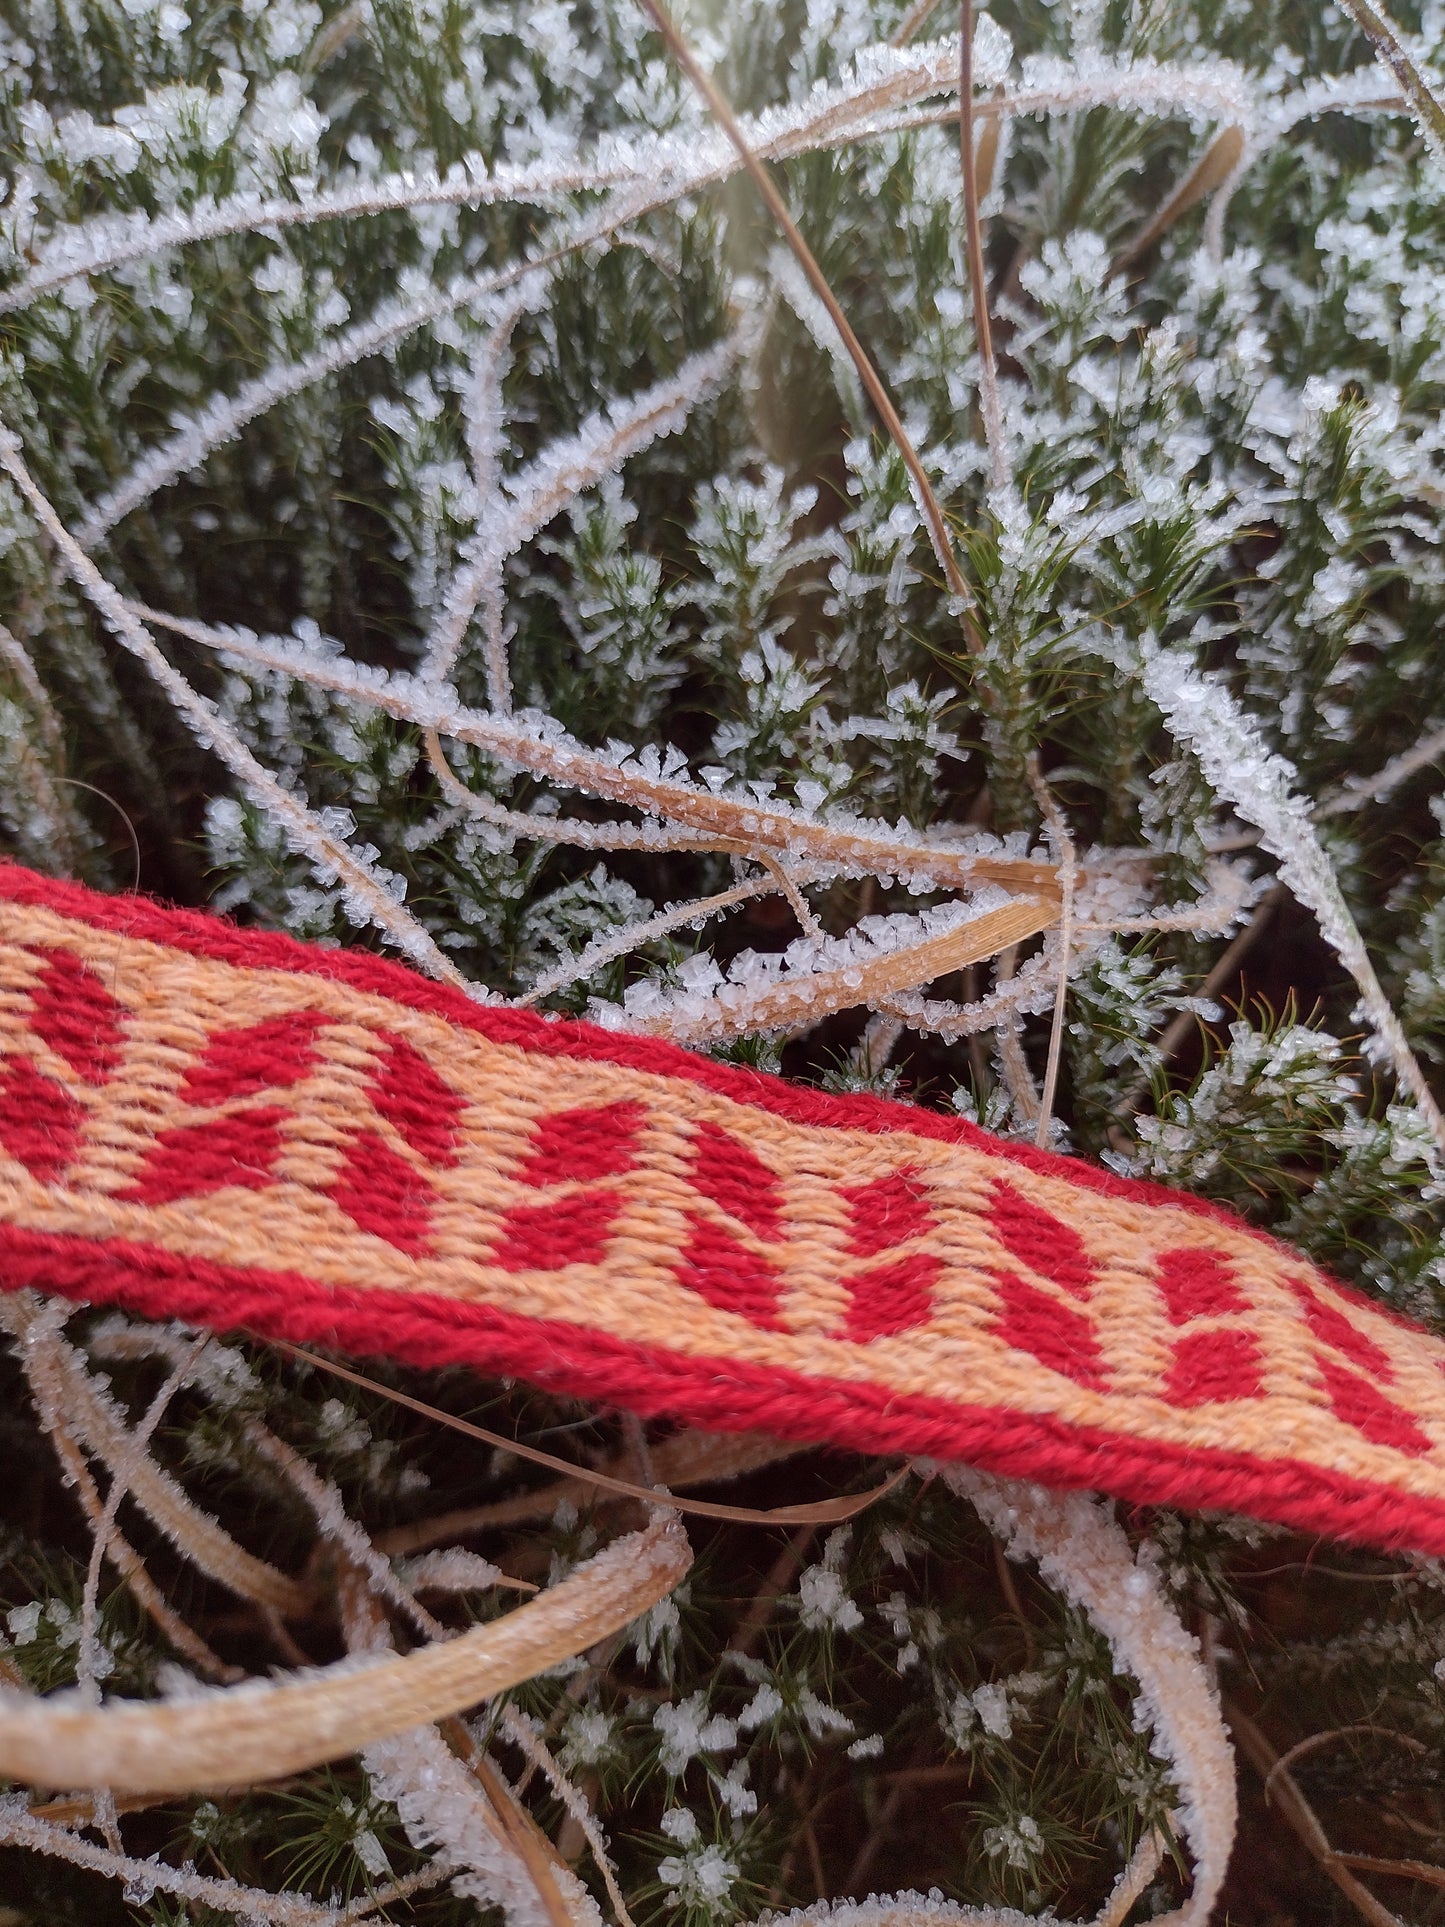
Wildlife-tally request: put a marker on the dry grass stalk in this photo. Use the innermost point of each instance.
(121, 1476)
(826, 1512)
(977, 274)
(1063, 846)
(1296, 1809)
(1222, 159)
(1313, 1741)
(857, 849)
(41, 1359)
(260, 1731)
(687, 1458)
(92, 1415)
(1083, 1552)
(1423, 1870)
(872, 381)
(538, 1754)
(518, 1830)
(450, 1798)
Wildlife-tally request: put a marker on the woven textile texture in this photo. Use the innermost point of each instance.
(252, 1133)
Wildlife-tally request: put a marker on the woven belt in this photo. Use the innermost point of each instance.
(253, 1133)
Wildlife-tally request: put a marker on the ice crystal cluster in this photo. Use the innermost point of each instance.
(440, 512)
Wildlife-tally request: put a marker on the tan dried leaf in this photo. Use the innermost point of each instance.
(806, 997)
(262, 1731)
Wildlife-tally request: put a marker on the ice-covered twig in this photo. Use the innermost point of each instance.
(1390, 50)
(1146, 1861)
(873, 964)
(866, 967)
(537, 1753)
(263, 1730)
(1201, 713)
(643, 780)
(38, 1352)
(365, 898)
(482, 409)
(563, 829)
(611, 944)
(15, 657)
(543, 489)
(1081, 1550)
(99, 1424)
(20, 1828)
(338, 1527)
(880, 82)
(1359, 790)
(452, 1802)
(122, 1472)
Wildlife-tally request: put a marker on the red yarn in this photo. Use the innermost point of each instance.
(891, 1298)
(721, 1269)
(1214, 1364)
(1040, 1240)
(192, 1159)
(254, 1057)
(1053, 1333)
(885, 1213)
(593, 1141)
(1195, 1282)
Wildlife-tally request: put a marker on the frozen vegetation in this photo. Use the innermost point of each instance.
(445, 510)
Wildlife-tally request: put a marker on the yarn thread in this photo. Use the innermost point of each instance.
(251, 1133)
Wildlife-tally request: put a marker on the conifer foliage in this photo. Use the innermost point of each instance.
(446, 509)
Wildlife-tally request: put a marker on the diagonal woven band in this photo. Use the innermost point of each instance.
(249, 1132)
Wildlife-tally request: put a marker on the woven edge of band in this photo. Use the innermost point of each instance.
(719, 1394)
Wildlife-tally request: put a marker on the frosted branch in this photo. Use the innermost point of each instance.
(1390, 50)
(365, 899)
(853, 846)
(1082, 1551)
(537, 1753)
(1201, 713)
(263, 1730)
(543, 489)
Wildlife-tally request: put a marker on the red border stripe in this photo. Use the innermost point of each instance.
(424, 1329)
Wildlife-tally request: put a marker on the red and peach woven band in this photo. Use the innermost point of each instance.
(252, 1133)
